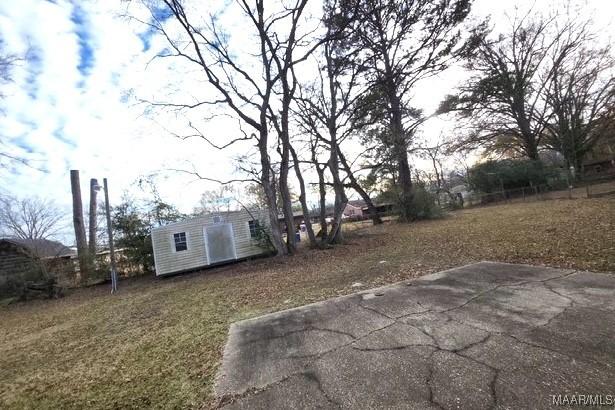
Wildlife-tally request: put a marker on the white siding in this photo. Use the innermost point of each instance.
(168, 261)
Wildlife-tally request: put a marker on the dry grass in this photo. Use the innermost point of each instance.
(158, 342)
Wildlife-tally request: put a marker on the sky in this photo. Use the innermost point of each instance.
(75, 102)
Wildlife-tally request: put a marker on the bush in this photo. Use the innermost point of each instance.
(263, 238)
(424, 205)
(491, 176)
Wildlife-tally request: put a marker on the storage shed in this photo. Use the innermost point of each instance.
(208, 240)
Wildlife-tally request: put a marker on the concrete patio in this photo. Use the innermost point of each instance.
(487, 335)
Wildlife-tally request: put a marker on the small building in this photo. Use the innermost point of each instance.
(26, 260)
(382, 209)
(209, 239)
(354, 208)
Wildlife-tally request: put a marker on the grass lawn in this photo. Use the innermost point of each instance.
(158, 343)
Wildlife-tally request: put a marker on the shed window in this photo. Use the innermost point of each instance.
(254, 228)
(217, 219)
(181, 244)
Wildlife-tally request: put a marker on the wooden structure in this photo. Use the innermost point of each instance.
(209, 240)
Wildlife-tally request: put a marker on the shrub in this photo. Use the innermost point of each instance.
(491, 176)
(424, 204)
(263, 238)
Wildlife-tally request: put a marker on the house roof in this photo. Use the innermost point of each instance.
(42, 248)
(359, 203)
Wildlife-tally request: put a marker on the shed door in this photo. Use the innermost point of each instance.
(219, 243)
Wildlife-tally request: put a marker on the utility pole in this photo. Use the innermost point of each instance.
(110, 233)
(94, 187)
(80, 238)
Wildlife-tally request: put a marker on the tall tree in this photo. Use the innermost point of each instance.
(505, 98)
(322, 111)
(401, 43)
(80, 236)
(93, 218)
(581, 96)
(244, 85)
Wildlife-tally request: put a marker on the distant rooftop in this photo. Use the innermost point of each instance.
(43, 248)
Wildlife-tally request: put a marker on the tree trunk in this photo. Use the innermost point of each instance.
(341, 199)
(340, 195)
(270, 195)
(323, 201)
(400, 151)
(287, 206)
(80, 237)
(532, 151)
(93, 217)
(303, 200)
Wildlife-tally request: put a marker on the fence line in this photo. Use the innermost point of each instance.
(534, 193)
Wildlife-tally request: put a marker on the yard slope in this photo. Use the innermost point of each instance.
(158, 342)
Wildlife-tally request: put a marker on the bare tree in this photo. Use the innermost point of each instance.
(29, 218)
(437, 152)
(582, 97)
(257, 88)
(325, 110)
(245, 92)
(506, 97)
(216, 200)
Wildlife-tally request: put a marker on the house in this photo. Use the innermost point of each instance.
(298, 219)
(354, 208)
(22, 261)
(357, 209)
(601, 159)
(382, 208)
(209, 239)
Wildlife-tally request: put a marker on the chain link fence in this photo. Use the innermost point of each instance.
(588, 189)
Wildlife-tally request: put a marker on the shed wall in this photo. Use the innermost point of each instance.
(169, 261)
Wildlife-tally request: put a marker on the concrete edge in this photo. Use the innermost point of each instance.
(220, 375)
(426, 278)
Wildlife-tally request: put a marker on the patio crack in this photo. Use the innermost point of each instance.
(508, 285)
(314, 378)
(429, 379)
(495, 371)
(392, 348)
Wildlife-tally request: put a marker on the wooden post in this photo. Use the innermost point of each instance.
(80, 238)
(110, 233)
(93, 219)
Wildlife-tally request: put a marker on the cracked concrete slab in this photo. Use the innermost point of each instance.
(487, 335)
